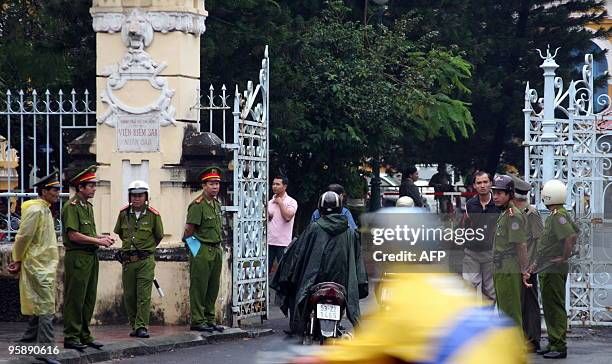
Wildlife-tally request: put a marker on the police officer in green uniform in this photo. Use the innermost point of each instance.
(204, 223)
(529, 295)
(140, 228)
(81, 261)
(554, 249)
(509, 249)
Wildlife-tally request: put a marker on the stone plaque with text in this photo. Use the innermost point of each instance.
(138, 133)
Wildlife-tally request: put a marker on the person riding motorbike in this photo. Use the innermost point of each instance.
(327, 251)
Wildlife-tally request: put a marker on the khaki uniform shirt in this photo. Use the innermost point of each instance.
(205, 214)
(558, 227)
(511, 229)
(78, 215)
(534, 232)
(142, 233)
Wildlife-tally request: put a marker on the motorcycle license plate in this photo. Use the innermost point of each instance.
(328, 312)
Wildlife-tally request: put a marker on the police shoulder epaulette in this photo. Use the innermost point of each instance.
(554, 211)
(199, 199)
(510, 211)
(124, 208)
(152, 210)
(73, 202)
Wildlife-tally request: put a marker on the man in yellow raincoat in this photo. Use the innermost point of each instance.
(35, 259)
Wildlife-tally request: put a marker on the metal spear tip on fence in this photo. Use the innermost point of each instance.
(86, 92)
(60, 92)
(223, 88)
(8, 92)
(211, 88)
(47, 92)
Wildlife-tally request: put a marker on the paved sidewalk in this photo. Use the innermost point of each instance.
(118, 343)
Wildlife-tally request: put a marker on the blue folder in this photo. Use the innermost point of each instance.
(194, 245)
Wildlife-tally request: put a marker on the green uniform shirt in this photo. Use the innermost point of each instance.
(511, 229)
(78, 215)
(141, 234)
(558, 227)
(536, 227)
(205, 214)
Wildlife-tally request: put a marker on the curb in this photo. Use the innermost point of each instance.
(140, 347)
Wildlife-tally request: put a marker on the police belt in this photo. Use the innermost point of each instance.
(126, 257)
(499, 257)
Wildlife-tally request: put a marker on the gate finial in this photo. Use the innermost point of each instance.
(548, 55)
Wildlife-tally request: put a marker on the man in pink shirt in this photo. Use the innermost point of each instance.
(281, 213)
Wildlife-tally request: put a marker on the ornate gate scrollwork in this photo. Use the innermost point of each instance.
(565, 139)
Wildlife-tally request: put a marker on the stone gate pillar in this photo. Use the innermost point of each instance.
(147, 74)
(148, 68)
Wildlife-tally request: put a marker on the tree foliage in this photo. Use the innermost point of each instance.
(46, 44)
(363, 89)
(348, 83)
(500, 38)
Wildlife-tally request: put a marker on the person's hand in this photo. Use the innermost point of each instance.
(278, 200)
(105, 241)
(14, 267)
(526, 276)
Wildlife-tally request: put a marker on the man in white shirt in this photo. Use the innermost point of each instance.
(281, 214)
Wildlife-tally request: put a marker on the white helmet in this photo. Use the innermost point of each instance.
(554, 192)
(138, 187)
(404, 201)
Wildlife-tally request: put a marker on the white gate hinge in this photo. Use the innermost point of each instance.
(230, 146)
(229, 208)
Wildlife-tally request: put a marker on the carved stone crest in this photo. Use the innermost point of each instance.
(137, 34)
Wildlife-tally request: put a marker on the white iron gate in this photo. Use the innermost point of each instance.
(566, 140)
(250, 148)
(32, 131)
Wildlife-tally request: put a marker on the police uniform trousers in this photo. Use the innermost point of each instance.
(508, 293)
(552, 285)
(137, 280)
(530, 309)
(205, 274)
(80, 286)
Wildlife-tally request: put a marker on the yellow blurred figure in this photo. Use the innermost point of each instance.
(430, 318)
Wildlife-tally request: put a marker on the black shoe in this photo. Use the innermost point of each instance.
(74, 345)
(542, 351)
(214, 327)
(142, 333)
(133, 333)
(556, 355)
(95, 344)
(200, 328)
(48, 360)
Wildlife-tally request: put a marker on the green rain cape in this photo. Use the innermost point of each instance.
(327, 251)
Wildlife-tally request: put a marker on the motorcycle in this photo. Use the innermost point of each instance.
(326, 305)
